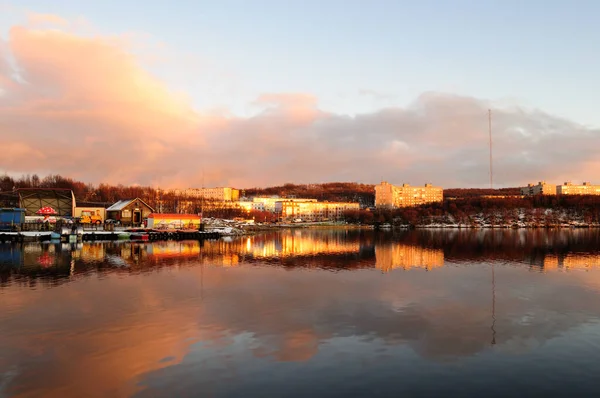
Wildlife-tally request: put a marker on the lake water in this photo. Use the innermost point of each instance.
(320, 313)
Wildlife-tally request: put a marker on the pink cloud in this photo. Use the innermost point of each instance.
(93, 113)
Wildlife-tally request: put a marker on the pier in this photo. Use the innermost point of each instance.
(138, 234)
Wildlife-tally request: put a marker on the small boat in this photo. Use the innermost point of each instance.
(139, 237)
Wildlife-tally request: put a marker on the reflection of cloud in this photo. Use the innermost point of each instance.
(83, 344)
(95, 101)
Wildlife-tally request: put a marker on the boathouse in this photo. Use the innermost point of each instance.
(174, 221)
(62, 201)
(129, 212)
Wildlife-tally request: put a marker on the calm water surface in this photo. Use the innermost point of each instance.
(305, 313)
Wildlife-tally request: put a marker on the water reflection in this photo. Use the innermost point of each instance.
(264, 315)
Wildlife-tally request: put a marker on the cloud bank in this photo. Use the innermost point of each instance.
(84, 107)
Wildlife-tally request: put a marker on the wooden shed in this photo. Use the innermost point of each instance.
(129, 212)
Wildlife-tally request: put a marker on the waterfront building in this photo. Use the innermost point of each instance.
(391, 196)
(129, 211)
(311, 210)
(540, 189)
(248, 205)
(62, 201)
(268, 202)
(584, 189)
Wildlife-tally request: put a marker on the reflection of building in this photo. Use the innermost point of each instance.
(389, 257)
(388, 195)
(299, 245)
(540, 189)
(584, 189)
(173, 249)
(222, 194)
(571, 261)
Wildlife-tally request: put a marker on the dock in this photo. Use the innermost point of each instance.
(137, 234)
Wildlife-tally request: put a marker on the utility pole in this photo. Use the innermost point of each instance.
(490, 130)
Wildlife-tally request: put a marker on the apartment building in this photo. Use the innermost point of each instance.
(248, 205)
(311, 210)
(221, 194)
(391, 196)
(584, 189)
(541, 188)
(268, 202)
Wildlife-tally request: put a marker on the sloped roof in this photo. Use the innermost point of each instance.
(121, 204)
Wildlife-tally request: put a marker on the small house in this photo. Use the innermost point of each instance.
(174, 221)
(131, 212)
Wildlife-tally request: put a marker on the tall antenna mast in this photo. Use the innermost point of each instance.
(490, 129)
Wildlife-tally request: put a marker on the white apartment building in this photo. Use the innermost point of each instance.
(540, 189)
(391, 196)
(220, 194)
(584, 189)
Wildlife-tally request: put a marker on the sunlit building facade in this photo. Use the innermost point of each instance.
(541, 188)
(391, 196)
(268, 202)
(584, 189)
(249, 206)
(221, 194)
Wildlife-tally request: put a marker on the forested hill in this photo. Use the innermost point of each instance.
(330, 191)
(362, 193)
(475, 192)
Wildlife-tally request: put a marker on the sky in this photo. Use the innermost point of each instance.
(269, 92)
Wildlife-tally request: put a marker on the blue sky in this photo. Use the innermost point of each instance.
(359, 56)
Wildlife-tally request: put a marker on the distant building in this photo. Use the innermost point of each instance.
(391, 196)
(585, 189)
(249, 205)
(311, 210)
(540, 189)
(220, 194)
(269, 203)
